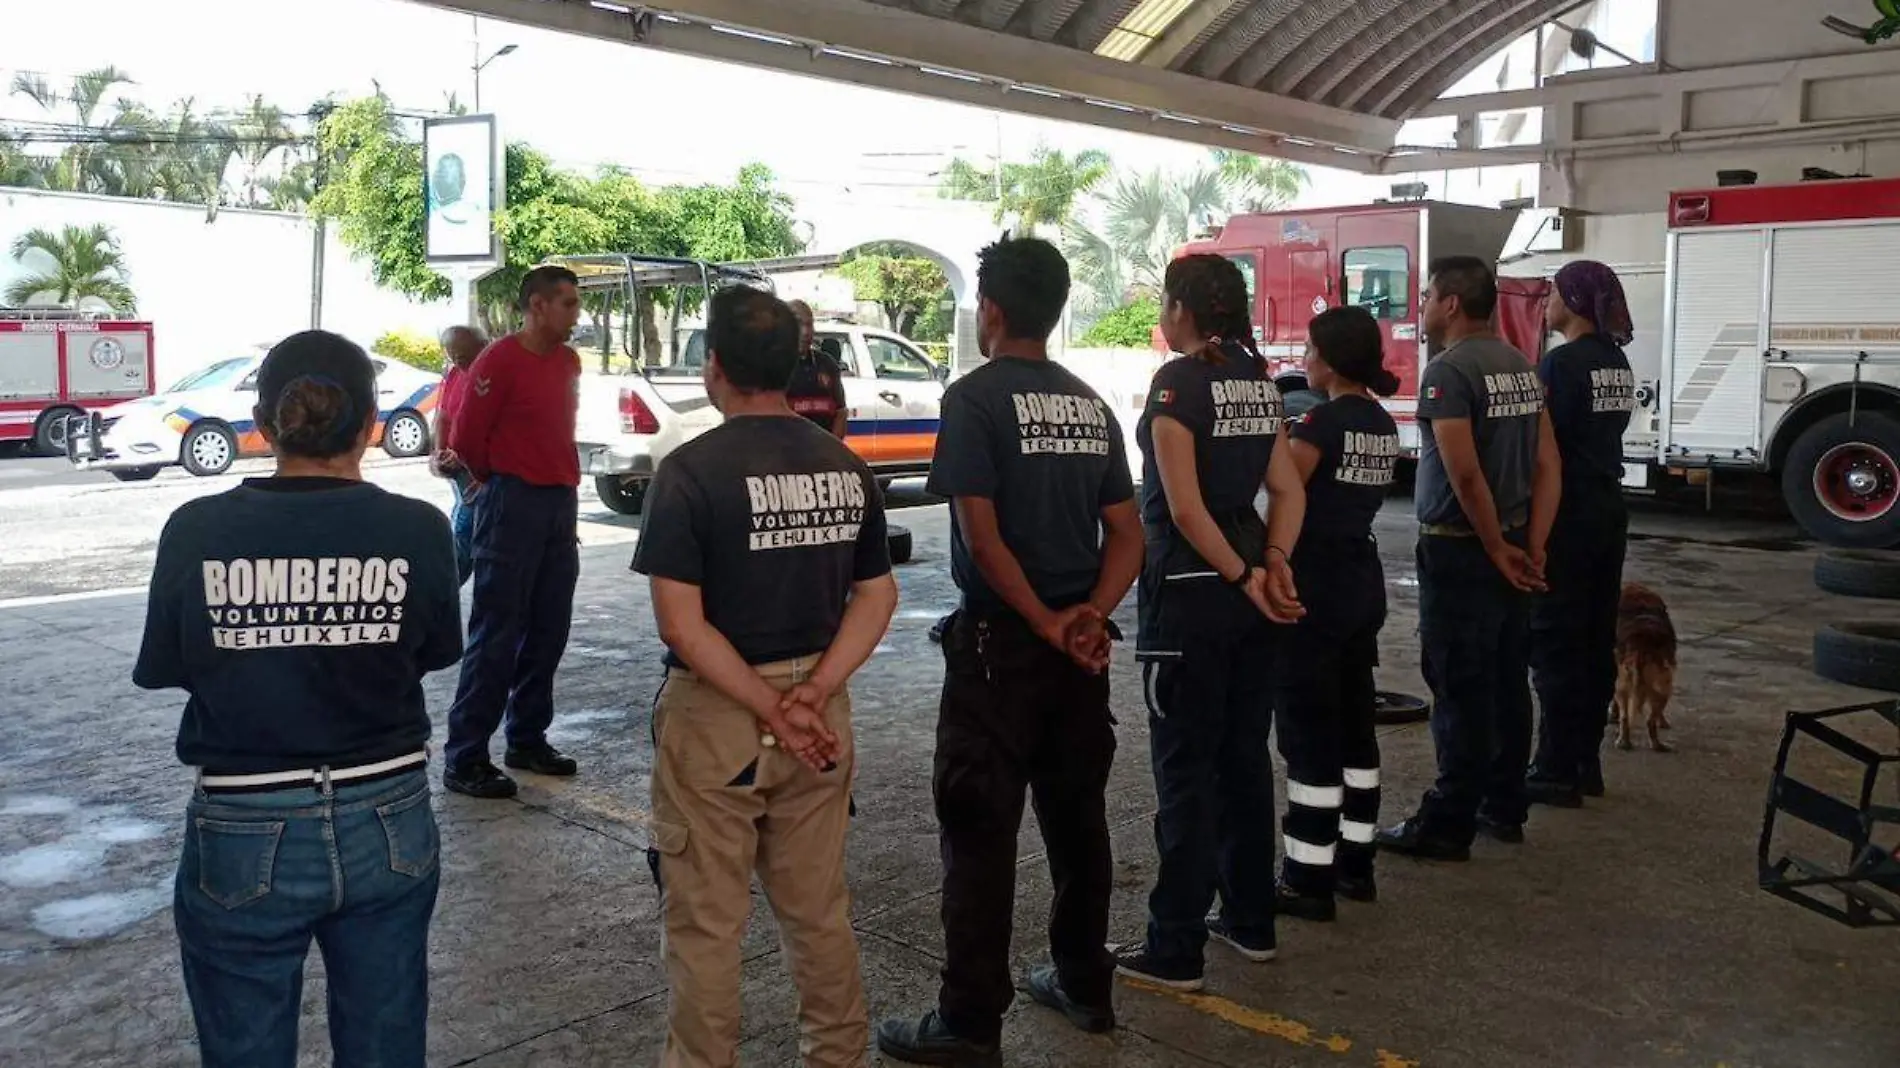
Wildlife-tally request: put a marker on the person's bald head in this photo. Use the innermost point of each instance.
(462, 344)
(802, 312)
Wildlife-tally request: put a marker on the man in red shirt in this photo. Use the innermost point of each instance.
(461, 344)
(515, 435)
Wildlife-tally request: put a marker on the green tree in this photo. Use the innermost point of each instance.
(1255, 184)
(1130, 326)
(19, 167)
(1040, 193)
(86, 265)
(263, 131)
(904, 285)
(374, 193)
(75, 169)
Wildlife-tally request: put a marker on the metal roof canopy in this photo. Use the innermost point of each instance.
(614, 270)
(1325, 82)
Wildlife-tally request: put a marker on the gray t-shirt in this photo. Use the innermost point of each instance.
(774, 520)
(1038, 442)
(1493, 385)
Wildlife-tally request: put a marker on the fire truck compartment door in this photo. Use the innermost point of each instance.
(29, 365)
(105, 363)
(1311, 290)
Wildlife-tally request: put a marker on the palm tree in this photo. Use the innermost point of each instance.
(1260, 184)
(262, 131)
(1136, 229)
(1042, 192)
(86, 266)
(21, 168)
(75, 171)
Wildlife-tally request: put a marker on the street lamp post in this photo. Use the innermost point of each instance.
(482, 64)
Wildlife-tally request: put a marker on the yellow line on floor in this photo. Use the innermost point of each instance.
(1269, 1024)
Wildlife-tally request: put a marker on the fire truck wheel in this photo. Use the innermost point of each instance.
(1859, 573)
(1859, 654)
(622, 497)
(405, 435)
(49, 432)
(209, 449)
(1842, 481)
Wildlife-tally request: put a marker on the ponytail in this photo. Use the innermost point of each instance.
(1350, 342)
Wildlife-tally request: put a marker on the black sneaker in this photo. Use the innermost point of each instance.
(1409, 839)
(1045, 989)
(542, 759)
(930, 1041)
(1253, 948)
(1508, 833)
(1553, 793)
(1356, 887)
(483, 780)
(1592, 784)
(1135, 962)
(1319, 908)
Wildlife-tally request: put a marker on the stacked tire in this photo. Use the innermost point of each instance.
(1863, 653)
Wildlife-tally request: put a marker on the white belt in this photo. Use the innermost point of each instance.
(314, 776)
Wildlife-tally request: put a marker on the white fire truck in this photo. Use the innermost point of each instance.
(1765, 343)
(57, 364)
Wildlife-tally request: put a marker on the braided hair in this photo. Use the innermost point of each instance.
(1213, 293)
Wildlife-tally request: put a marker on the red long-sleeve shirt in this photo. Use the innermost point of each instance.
(517, 415)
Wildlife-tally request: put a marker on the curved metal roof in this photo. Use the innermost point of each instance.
(1325, 81)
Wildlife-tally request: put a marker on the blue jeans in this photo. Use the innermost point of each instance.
(462, 522)
(527, 560)
(355, 867)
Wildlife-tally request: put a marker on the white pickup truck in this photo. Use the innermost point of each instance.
(628, 423)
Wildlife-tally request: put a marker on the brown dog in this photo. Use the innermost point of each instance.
(1645, 665)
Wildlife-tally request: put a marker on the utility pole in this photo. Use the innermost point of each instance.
(481, 64)
(320, 173)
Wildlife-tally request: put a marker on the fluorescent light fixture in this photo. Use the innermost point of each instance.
(1142, 28)
(1177, 118)
(859, 56)
(1300, 141)
(1242, 130)
(957, 75)
(767, 38)
(1110, 105)
(618, 9)
(1035, 91)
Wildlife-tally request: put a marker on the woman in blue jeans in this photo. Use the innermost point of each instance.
(300, 613)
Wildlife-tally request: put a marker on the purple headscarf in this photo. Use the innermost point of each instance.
(1592, 290)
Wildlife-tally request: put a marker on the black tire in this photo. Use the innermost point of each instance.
(1821, 481)
(135, 474)
(899, 538)
(621, 496)
(1866, 655)
(1397, 708)
(406, 426)
(49, 431)
(200, 453)
(1859, 573)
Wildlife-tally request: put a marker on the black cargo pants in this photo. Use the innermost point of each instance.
(1018, 716)
(1207, 679)
(1573, 632)
(1326, 709)
(1474, 634)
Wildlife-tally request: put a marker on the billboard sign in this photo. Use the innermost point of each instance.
(462, 183)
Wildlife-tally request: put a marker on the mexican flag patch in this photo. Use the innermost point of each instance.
(1431, 392)
(1164, 396)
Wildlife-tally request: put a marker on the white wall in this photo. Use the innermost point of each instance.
(214, 288)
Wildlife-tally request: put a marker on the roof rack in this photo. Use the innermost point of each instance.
(52, 314)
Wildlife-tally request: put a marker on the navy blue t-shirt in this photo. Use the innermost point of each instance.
(301, 615)
(1592, 393)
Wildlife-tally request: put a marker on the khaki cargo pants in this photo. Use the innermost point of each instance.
(724, 807)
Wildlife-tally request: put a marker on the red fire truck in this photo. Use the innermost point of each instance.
(1300, 263)
(56, 364)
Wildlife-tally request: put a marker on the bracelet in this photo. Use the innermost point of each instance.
(1246, 572)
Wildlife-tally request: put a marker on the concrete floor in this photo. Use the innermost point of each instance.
(1629, 934)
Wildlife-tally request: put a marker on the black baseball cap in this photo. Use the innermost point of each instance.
(326, 359)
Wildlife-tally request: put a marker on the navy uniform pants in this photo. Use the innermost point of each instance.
(527, 560)
(1326, 710)
(1208, 683)
(1573, 633)
(1474, 634)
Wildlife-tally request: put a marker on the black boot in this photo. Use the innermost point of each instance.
(541, 759)
(1410, 839)
(1318, 908)
(1045, 988)
(930, 1041)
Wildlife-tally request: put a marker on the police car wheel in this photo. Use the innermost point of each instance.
(50, 430)
(209, 449)
(405, 435)
(135, 474)
(621, 496)
(899, 538)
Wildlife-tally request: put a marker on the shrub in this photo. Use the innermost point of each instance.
(1130, 326)
(404, 346)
